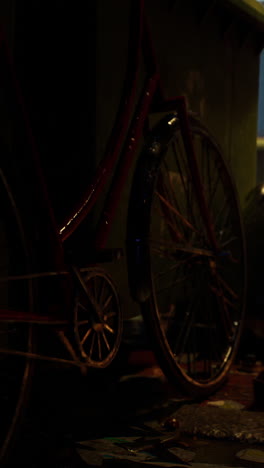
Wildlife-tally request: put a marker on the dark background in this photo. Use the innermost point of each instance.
(54, 51)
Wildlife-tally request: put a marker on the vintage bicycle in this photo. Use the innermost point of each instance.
(184, 246)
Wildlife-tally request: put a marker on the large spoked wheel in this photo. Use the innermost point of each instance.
(16, 297)
(98, 341)
(192, 294)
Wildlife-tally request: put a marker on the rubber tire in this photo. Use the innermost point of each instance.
(139, 258)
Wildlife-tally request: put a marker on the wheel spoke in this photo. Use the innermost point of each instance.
(170, 269)
(92, 345)
(172, 284)
(110, 314)
(224, 312)
(184, 179)
(82, 322)
(81, 306)
(228, 288)
(164, 188)
(168, 191)
(230, 241)
(109, 328)
(187, 325)
(87, 334)
(106, 341)
(220, 212)
(173, 228)
(214, 187)
(107, 302)
(176, 212)
(176, 248)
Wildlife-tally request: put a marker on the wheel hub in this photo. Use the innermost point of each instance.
(98, 327)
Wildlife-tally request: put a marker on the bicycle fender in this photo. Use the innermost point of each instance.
(138, 262)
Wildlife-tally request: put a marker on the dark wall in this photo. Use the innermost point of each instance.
(212, 59)
(71, 60)
(54, 44)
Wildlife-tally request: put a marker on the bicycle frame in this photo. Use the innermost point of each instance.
(121, 145)
(151, 99)
(165, 252)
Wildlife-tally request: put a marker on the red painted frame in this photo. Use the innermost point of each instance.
(124, 133)
(152, 98)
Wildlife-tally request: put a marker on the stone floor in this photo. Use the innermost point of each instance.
(129, 416)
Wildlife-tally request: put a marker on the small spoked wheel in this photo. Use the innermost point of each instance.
(98, 340)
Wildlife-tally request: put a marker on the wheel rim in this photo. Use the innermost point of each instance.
(198, 292)
(98, 343)
(15, 296)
